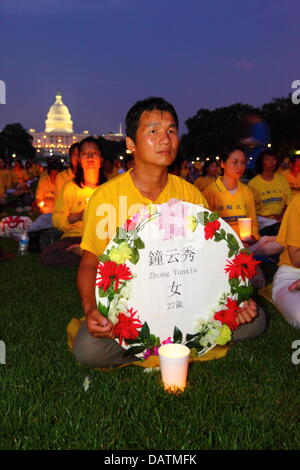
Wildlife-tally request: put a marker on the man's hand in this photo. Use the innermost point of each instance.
(247, 312)
(295, 286)
(98, 325)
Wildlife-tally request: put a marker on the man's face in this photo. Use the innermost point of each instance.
(156, 141)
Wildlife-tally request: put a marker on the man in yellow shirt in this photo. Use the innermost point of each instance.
(152, 137)
(286, 283)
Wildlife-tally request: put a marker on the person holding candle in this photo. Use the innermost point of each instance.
(286, 282)
(234, 200)
(271, 191)
(152, 137)
(68, 212)
(45, 192)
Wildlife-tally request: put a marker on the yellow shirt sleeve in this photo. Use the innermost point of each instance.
(289, 232)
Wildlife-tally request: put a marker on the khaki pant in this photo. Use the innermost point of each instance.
(105, 352)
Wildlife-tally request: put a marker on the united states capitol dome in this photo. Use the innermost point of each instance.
(59, 117)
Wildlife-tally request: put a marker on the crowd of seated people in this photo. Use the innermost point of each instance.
(271, 199)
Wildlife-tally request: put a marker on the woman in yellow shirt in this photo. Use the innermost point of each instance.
(210, 173)
(271, 191)
(286, 282)
(234, 200)
(69, 208)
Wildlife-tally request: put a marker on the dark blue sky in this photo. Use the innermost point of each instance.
(106, 54)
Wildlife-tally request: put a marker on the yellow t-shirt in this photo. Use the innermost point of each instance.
(72, 199)
(203, 181)
(270, 196)
(117, 200)
(62, 178)
(289, 232)
(45, 191)
(294, 181)
(5, 178)
(232, 207)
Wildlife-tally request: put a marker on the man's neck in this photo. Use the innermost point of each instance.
(149, 181)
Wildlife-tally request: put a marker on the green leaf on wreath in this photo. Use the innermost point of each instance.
(234, 284)
(145, 332)
(103, 309)
(134, 350)
(218, 237)
(177, 335)
(213, 216)
(103, 258)
(102, 292)
(244, 293)
(232, 243)
(138, 243)
(134, 255)
(189, 337)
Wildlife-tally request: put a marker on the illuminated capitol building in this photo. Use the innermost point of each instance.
(58, 135)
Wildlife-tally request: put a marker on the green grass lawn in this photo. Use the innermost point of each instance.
(248, 400)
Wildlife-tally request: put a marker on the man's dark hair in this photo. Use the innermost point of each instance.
(54, 165)
(260, 160)
(152, 103)
(79, 176)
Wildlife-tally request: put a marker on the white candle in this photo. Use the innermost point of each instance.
(174, 361)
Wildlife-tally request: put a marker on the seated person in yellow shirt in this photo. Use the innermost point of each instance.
(152, 137)
(286, 282)
(45, 195)
(70, 205)
(271, 191)
(210, 174)
(292, 174)
(233, 200)
(69, 173)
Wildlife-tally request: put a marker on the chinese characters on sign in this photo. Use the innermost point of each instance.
(173, 259)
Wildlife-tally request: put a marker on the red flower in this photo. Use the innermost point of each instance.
(228, 316)
(243, 266)
(111, 272)
(127, 326)
(130, 225)
(211, 228)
